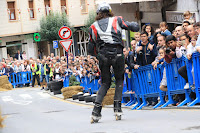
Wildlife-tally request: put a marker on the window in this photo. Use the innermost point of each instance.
(31, 9)
(63, 6)
(47, 6)
(83, 6)
(11, 10)
(12, 47)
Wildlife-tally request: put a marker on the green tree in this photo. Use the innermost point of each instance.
(50, 25)
(89, 21)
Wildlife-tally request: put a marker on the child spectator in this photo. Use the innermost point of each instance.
(164, 29)
(188, 17)
(160, 57)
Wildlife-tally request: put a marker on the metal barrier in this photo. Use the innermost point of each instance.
(66, 81)
(149, 82)
(196, 65)
(175, 83)
(20, 78)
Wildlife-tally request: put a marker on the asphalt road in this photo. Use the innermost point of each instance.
(32, 111)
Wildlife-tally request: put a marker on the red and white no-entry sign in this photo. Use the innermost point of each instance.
(65, 33)
(66, 44)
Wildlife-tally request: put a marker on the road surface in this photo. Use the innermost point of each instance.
(30, 110)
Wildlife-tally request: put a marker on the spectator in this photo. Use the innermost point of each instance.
(171, 47)
(137, 39)
(161, 41)
(57, 58)
(149, 29)
(129, 60)
(18, 55)
(133, 46)
(191, 31)
(39, 55)
(179, 31)
(57, 73)
(161, 44)
(3, 60)
(164, 29)
(35, 72)
(181, 51)
(47, 71)
(9, 70)
(160, 58)
(42, 75)
(188, 17)
(197, 28)
(24, 57)
(182, 45)
(18, 68)
(146, 53)
(52, 55)
(2, 69)
(185, 25)
(25, 66)
(169, 54)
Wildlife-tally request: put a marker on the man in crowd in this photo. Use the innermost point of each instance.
(18, 55)
(147, 52)
(35, 72)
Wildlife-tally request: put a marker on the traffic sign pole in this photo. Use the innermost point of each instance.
(67, 58)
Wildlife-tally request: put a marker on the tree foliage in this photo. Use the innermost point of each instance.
(73, 81)
(89, 21)
(50, 25)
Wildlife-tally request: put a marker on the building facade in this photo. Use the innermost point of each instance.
(21, 18)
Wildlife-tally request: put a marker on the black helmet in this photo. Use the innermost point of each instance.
(103, 7)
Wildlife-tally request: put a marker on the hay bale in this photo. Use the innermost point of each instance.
(74, 88)
(1, 89)
(69, 94)
(4, 80)
(109, 98)
(5, 84)
(1, 120)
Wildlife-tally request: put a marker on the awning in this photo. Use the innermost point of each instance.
(122, 1)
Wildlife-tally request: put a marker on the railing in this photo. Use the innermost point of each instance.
(20, 78)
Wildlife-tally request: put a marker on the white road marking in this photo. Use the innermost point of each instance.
(44, 95)
(25, 96)
(7, 98)
(21, 102)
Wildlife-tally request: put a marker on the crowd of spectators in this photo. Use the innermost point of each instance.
(159, 46)
(51, 67)
(147, 47)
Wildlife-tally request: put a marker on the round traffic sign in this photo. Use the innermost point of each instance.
(65, 32)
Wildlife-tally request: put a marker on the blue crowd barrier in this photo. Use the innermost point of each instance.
(131, 88)
(149, 82)
(196, 65)
(175, 83)
(66, 81)
(20, 78)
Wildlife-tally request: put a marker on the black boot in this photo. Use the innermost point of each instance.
(97, 110)
(96, 113)
(117, 106)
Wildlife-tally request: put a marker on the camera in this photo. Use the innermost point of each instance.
(140, 53)
(168, 50)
